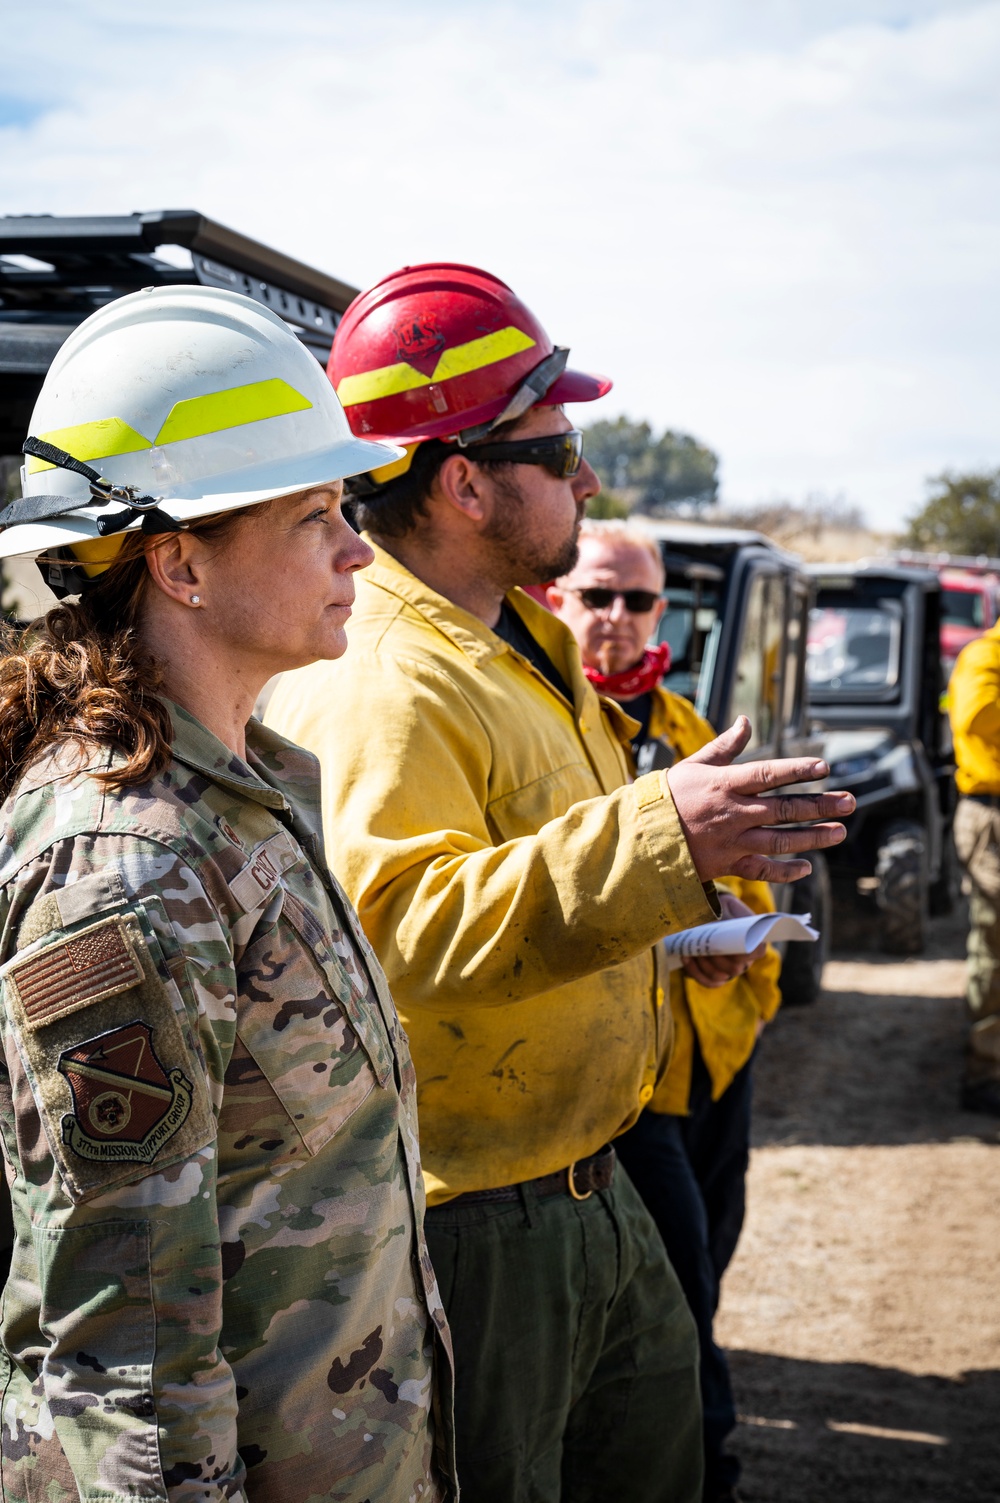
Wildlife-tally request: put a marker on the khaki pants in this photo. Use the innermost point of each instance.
(977, 840)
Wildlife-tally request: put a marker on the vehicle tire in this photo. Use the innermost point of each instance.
(903, 890)
(944, 893)
(802, 967)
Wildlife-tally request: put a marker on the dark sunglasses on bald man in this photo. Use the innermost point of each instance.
(562, 453)
(637, 602)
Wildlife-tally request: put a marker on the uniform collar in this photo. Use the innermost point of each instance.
(659, 714)
(277, 774)
(293, 773)
(467, 632)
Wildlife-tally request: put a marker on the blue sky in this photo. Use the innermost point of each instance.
(775, 224)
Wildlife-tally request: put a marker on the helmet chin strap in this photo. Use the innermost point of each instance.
(102, 493)
(532, 389)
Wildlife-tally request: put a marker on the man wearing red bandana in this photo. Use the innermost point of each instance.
(687, 1154)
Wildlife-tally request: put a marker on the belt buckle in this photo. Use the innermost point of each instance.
(571, 1187)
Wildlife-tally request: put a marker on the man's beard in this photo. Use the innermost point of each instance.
(519, 556)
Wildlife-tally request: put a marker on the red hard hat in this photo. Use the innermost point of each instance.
(446, 351)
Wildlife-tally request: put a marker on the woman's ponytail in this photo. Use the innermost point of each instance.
(78, 674)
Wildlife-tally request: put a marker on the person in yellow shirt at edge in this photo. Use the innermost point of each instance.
(687, 1155)
(974, 708)
(514, 880)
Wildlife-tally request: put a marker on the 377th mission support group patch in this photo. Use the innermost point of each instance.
(127, 1104)
(112, 1069)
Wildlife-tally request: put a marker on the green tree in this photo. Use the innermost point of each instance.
(606, 506)
(649, 473)
(961, 514)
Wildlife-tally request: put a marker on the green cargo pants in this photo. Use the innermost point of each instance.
(977, 841)
(576, 1355)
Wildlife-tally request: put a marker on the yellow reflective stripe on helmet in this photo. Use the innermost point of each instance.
(479, 352)
(460, 360)
(198, 416)
(386, 381)
(193, 418)
(92, 441)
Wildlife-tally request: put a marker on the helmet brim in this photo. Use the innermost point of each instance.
(282, 477)
(246, 487)
(29, 539)
(576, 386)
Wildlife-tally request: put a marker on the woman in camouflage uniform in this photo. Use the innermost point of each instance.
(220, 1287)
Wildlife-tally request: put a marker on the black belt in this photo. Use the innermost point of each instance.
(579, 1179)
(991, 800)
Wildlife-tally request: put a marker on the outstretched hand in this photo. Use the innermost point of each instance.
(730, 828)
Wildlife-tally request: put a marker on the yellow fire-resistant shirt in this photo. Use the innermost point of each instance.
(724, 1018)
(509, 876)
(974, 708)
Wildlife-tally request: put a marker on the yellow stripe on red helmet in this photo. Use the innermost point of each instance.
(391, 380)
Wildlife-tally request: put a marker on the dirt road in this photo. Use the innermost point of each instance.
(862, 1310)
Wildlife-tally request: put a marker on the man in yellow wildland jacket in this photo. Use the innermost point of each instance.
(974, 707)
(687, 1154)
(514, 881)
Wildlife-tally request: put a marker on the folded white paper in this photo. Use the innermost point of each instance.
(738, 936)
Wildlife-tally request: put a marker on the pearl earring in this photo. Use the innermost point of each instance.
(196, 600)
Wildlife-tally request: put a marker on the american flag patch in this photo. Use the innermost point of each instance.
(98, 962)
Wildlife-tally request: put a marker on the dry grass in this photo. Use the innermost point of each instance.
(829, 534)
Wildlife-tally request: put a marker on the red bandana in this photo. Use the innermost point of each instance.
(639, 679)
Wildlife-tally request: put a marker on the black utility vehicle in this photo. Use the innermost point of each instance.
(874, 678)
(56, 270)
(737, 618)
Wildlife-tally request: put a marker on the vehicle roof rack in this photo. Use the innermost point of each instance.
(980, 563)
(55, 270)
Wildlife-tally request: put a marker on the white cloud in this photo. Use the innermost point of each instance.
(776, 226)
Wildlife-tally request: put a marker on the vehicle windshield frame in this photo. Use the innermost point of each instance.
(691, 624)
(951, 592)
(848, 688)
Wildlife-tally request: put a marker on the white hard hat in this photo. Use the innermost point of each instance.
(185, 401)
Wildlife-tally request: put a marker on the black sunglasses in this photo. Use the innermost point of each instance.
(637, 602)
(562, 453)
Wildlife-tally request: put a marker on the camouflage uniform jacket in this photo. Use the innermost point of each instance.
(220, 1286)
